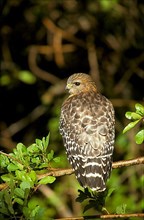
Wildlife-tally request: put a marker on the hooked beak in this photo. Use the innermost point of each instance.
(68, 86)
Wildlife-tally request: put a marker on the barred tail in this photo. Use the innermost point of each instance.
(93, 172)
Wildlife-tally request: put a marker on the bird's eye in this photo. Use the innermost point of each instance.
(77, 83)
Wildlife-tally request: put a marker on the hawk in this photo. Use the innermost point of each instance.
(87, 128)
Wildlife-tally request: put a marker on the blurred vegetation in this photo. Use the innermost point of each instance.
(44, 42)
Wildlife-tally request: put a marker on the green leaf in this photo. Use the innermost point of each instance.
(56, 159)
(12, 186)
(15, 153)
(25, 185)
(19, 165)
(20, 175)
(3, 205)
(132, 116)
(21, 148)
(24, 176)
(12, 167)
(19, 201)
(128, 115)
(139, 109)
(4, 161)
(29, 179)
(27, 77)
(45, 142)
(7, 198)
(3, 210)
(47, 179)
(6, 177)
(139, 137)
(33, 175)
(130, 125)
(43, 165)
(50, 155)
(135, 116)
(36, 160)
(39, 144)
(19, 192)
(33, 148)
(26, 197)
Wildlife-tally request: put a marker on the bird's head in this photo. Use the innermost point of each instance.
(80, 82)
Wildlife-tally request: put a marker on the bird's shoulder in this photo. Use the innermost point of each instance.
(86, 101)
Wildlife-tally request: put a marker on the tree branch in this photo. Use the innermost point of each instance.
(112, 216)
(126, 163)
(115, 165)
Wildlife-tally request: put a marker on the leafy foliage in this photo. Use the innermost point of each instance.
(20, 170)
(136, 117)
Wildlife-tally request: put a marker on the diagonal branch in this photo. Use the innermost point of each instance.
(115, 165)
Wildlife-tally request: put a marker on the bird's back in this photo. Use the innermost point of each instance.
(87, 128)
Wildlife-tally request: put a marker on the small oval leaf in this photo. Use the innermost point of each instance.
(56, 159)
(130, 125)
(21, 148)
(12, 167)
(135, 116)
(139, 138)
(32, 175)
(25, 185)
(6, 177)
(19, 201)
(128, 115)
(47, 179)
(19, 192)
(139, 109)
(50, 155)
